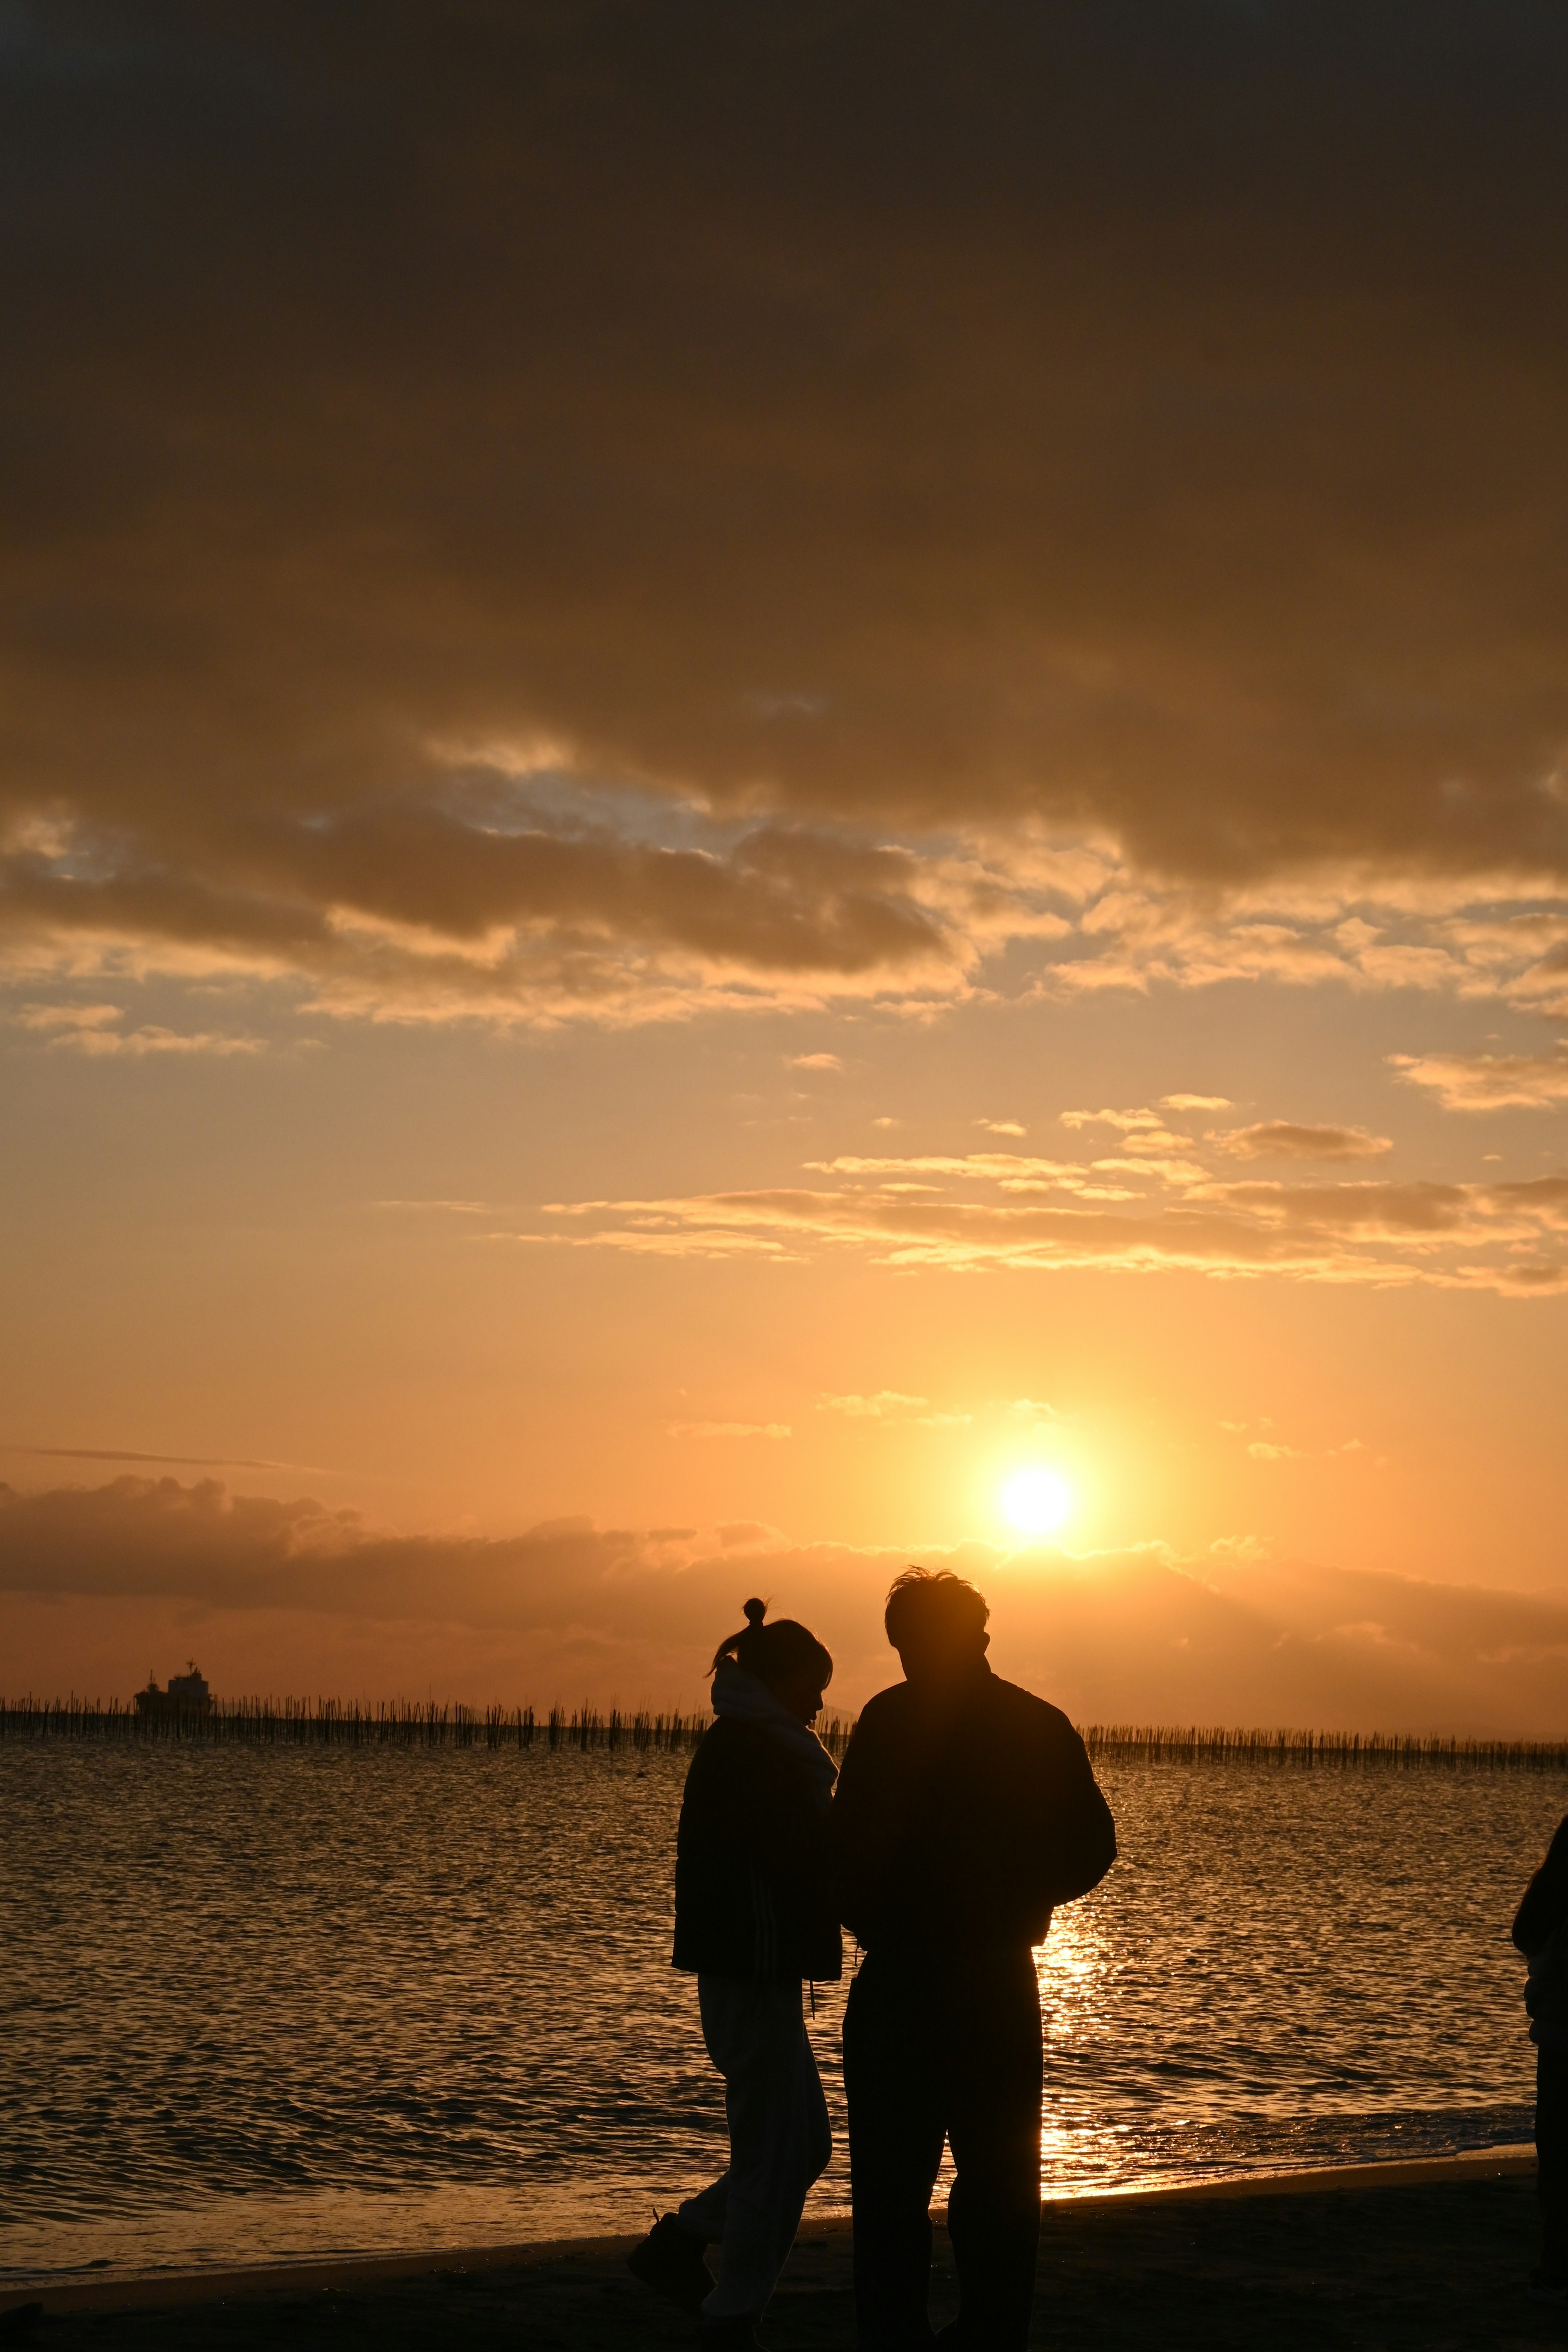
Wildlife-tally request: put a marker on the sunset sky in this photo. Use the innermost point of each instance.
(760, 761)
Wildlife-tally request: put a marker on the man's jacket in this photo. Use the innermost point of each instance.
(753, 1891)
(958, 1827)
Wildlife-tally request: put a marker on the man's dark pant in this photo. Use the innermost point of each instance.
(1551, 2157)
(935, 2051)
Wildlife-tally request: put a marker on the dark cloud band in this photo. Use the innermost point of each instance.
(861, 421)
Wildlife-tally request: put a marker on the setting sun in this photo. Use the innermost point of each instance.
(1037, 1501)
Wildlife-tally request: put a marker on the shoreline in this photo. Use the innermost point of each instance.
(351, 2273)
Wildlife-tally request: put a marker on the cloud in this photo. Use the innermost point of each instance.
(1005, 1167)
(889, 1404)
(1271, 1449)
(1196, 1102)
(173, 1461)
(1039, 1216)
(1130, 1122)
(457, 907)
(101, 1045)
(1283, 1138)
(1246, 1548)
(600, 1614)
(446, 1208)
(500, 905)
(1417, 1208)
(814, 1061)
(1489, 1081)
(1001, 1127)
(567, 526)
(1141, 1130)
(91, 1029)
(1357, 931)
(729, 1429)
(62, 1019)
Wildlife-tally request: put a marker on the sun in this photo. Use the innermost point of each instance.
(1037, 1501)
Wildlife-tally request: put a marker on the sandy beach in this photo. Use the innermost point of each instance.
(1424, 2255)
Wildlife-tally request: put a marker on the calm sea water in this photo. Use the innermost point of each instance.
(264, 2003)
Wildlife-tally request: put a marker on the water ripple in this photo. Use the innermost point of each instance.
(270, 2002)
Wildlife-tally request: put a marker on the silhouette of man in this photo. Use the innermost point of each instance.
(965, 1809)
(1541, 1932)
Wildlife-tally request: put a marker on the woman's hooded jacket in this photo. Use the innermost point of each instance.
(753, 1891)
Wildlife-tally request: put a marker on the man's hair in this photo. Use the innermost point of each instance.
(934, 1598)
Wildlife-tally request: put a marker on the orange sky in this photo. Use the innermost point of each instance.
(738, 788)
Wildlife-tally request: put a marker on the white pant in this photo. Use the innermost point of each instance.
(779, 2139)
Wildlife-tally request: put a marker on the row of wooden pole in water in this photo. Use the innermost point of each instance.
(414, 1723)
(396, 1723)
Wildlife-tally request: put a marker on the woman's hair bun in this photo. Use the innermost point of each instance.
(768, 1651)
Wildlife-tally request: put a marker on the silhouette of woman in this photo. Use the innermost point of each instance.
(755, 1915)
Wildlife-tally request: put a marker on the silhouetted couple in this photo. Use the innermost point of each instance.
(965, 1810)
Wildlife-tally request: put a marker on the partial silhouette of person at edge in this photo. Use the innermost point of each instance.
(1541, 1932)
(966, 1811)
(755, 1915)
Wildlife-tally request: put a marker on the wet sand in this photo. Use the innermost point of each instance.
(1424, 2256)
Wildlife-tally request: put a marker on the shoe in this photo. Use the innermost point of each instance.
(728, 2336)
(1549, 2286)
(669, 2260)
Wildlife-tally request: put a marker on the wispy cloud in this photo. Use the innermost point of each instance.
(1265, 1445)
(1283, 1138)
(445, 1208)
(729, 1429)
(1479, 1082)
(1141, 1130)
(173, 1461)
(1012, 1170)
(92, 1030)
(889, 1405)
(1503, 1237)
(61, 1019)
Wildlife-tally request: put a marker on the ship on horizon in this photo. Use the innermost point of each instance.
(187, 1694)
